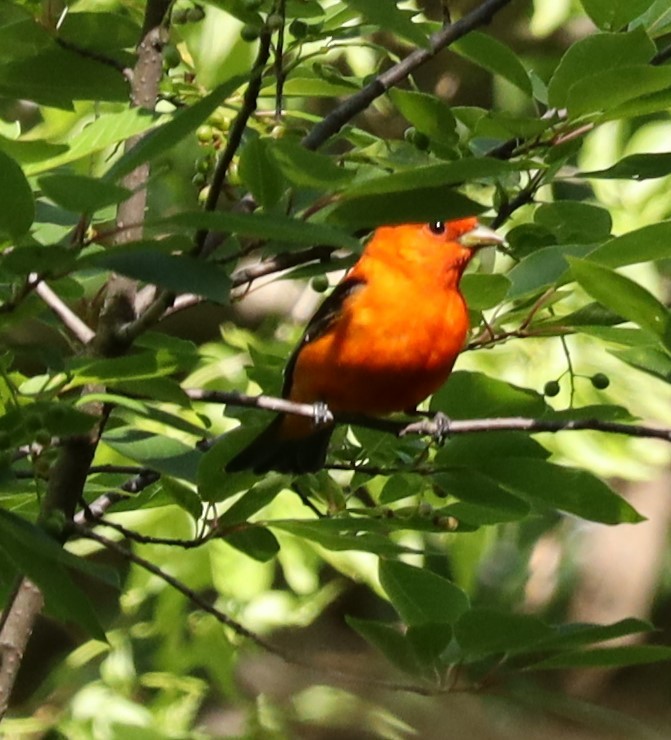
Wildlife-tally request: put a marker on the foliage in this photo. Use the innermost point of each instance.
(563, 152)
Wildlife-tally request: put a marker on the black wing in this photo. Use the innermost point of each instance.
(320, 323)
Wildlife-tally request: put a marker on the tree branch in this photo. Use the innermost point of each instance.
(429, 427)
(70, 320)
(358, 102)
(235, 135)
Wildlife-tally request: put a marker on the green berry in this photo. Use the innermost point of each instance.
(319, 283)
(298, 29)
(202, 195)
(551, 388)
(219, 120)
(274, 22)
(195, 14)
(249, 32)
(204, 134)
(600, 381)
(203, 164)
(199, 179)
(171, 56)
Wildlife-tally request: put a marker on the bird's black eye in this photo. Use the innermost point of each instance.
(437, 227)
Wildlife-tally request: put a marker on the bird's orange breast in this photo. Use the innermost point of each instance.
(387, 352)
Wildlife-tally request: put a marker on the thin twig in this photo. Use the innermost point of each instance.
(190, 594)
(70, 320)
(279, 263)
(249, 101)
(280, 74)
(96, 56)
(358, 102)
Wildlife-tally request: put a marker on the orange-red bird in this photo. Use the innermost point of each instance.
(384, 340)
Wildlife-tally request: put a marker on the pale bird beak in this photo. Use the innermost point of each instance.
(481, 236)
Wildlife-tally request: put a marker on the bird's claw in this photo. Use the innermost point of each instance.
(321, 415)
(441, 424)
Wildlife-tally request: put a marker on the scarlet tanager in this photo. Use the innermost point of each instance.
(385, 339)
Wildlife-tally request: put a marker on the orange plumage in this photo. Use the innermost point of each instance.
(386, 338)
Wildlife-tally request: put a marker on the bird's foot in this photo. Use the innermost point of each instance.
(321, 414)
(438, 427)
(441, 427)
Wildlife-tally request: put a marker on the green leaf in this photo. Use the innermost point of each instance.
(610, 88)
(400, 486)
(310, 87)
(574, 223)
(420, 596)
(178, 273)
(164, 454)
(572, 636)
(339, 537)
(307, 169)
(459, 449)
(651, 360)
(642, 245)
(622, 295)
(20, 35)
(44, 561)
(82, 194)
(184, 496)
(484, 291)
(57, 77)
(422, 204)
(543, 268)
(495, 57)
(18, 209)
(260, 173)
(613, 15)
(389, 18)
(482, 631)
(487, 502)
(257, 542)
(389, 641)
(635, 167)
(264, 226)
(109, 371)
(427, 114)
(597, 53)
(450, 173)
(559, 487)
(100, 32)
(46, 260)
(469, 395)
(96, 136)
(163, 138)
(258, 496)
(614, 657)
(214, 484)
(429, 641)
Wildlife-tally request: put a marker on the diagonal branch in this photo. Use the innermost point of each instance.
(242, 631)
(440, 40)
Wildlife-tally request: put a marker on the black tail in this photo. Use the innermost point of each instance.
(270, 452)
